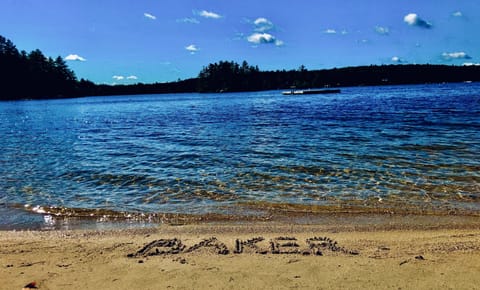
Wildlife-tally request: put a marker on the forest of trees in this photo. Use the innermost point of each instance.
(34, 76)
(228, 76)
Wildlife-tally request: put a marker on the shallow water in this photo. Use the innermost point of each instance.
(388, 148)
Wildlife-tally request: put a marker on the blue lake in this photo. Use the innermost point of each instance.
(414, 147)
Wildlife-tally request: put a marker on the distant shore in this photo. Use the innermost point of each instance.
(348, 252)
(28, 76)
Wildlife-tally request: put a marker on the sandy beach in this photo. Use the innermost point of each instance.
(343, 253)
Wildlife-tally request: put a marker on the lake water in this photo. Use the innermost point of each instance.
(413, 148)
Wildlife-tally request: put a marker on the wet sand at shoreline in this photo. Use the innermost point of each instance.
(340, 252)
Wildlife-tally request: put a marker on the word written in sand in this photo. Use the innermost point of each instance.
(279, 245)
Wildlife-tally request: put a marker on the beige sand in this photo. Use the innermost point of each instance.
(390, 256)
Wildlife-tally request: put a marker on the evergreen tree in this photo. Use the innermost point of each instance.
(10, 68)
(227, 76)
(33, 75)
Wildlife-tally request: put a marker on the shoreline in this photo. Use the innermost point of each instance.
(27, 217)
(357, 251)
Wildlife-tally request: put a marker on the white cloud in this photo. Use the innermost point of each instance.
(149, 16)
(455, 55)
(209, 14)
(382, 30)
(413, 19)
(74, 57)
(471, 64)
(334, 31)
(260, 35)
(192, 48)
(410, 18)
(397, 59)
(123, 78)
(259, 38)
(190, 20)
(457, 14)
(263, 24)
(279, 42)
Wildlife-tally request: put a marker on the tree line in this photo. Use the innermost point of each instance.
(34, 76)
(228, 76)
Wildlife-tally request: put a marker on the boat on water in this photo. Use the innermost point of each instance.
(311, 92)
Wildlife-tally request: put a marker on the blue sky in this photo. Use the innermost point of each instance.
(124, 42)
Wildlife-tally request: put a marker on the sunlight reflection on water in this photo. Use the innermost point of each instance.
(192, 153)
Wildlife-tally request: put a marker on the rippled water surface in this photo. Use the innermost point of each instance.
(371, 147)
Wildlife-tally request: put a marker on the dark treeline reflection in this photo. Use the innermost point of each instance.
(35, 76)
